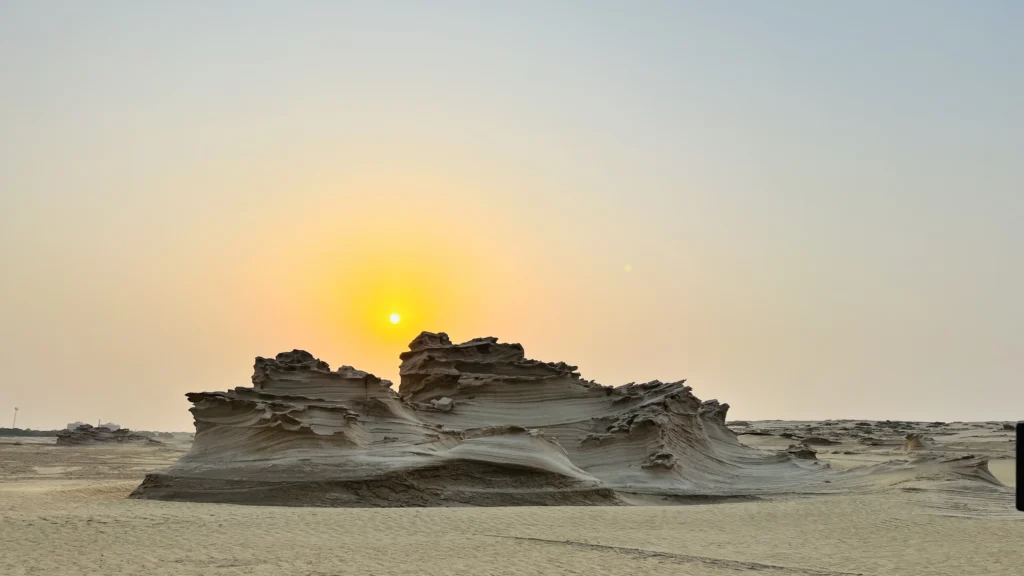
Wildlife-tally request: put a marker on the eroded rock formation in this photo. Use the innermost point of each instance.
(85, 434)
(475, 423)
(802, 451)
(914, 441)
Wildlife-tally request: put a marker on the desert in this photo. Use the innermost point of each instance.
(66, 510)
(483, 461)
(511, 288)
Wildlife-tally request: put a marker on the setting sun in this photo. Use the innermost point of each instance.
(395, 318)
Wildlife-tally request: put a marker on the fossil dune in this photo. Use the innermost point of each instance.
(478, 424)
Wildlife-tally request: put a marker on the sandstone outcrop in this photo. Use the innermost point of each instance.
(475, 423)
(85, 434)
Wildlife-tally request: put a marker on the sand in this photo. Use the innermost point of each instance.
(439, 478)
(65, 510)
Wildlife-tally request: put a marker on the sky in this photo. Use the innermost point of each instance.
(809, 210)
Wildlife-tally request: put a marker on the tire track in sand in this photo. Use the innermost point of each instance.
(686, 558)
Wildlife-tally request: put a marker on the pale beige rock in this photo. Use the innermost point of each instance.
(480, 424)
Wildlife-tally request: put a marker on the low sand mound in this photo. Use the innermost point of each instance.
(84, 434)
(819, 441)
(472, 424)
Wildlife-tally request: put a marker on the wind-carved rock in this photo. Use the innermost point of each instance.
(914, 441)
(85, 434)
(475, 423)
(802, 451)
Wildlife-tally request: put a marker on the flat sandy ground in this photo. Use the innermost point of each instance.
(64, 510)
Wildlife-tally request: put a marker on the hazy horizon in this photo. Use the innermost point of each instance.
(808, 210)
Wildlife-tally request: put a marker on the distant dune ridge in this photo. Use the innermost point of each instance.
(474, 424)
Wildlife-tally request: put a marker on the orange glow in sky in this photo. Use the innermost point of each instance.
(799, 232)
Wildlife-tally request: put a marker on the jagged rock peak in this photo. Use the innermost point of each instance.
(434, 367)
(430, 340)
(486, 348)
(302, 361)
(714, 410)
(288, 362)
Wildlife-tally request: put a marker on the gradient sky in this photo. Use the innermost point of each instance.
(820, 203)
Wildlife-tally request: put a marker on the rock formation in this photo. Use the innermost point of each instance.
(84, 434)
(914, 441)
(802, 451)
(819, 441)
(475, 423)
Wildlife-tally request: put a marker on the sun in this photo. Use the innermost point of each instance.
(395, 318)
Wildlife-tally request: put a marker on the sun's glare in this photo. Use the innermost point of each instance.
(395, 318)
